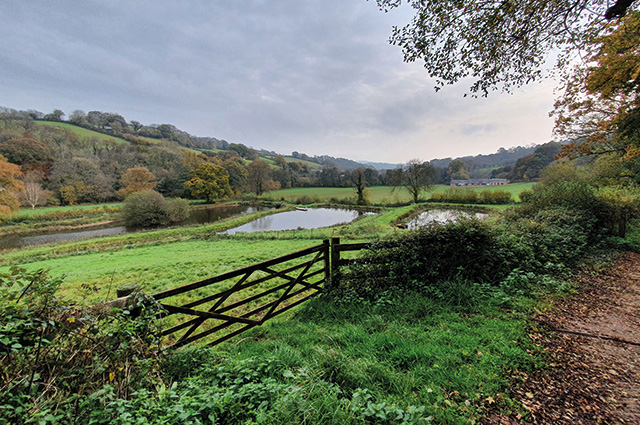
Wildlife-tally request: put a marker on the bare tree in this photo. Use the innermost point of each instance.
(33, 190)
(416, 177)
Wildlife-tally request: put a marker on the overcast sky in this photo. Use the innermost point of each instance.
(314, 76)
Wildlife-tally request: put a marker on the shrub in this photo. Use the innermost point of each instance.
(52, 355)
(468, 250)
(496, 197)
(178, 209)
(144, 209)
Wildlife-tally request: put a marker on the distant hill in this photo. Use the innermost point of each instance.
(112, 126)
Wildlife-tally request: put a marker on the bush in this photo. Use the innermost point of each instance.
(467, 250)
(496, 197)
(53, 355)
(470, 196)
(144, 209)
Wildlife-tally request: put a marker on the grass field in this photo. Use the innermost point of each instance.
(378, 195)
(82, 132)
(28, 212)
(165, 258)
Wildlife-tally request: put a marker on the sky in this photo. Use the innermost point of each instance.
(313, 76)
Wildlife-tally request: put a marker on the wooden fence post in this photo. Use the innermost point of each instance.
(326, 257)
(335, 260)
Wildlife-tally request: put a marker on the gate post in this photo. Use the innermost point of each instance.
(326, 258)
(335, 260)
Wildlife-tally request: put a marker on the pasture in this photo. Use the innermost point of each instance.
(378, 195)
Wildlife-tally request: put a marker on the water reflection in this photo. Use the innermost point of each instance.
(196, 216)
(442, 217)
(312, 218)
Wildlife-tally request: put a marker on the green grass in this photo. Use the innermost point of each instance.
(157, 267)
(28, 212)
(378, 195)
(352, 361)
(80, 131)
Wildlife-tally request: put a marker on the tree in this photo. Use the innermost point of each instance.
(209, 182)
(9, 187)
(237, 173)
(259, 178)
(26, 151)
(33, 190)
(415, 177)
(600, 108)
(137, 179)
(457, 170)
(499, 44)
(360, 186)
(56, 115)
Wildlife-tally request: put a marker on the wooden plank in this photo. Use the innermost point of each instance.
(235, 273)
(238, 288)
(246, 315)
(294, 283)
(229, 307)
(206, 314)
(353, 246)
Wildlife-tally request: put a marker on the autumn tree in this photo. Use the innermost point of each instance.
(497, 44)
(457, 170)
(9, 187)
(136, 179)
(209, 182)
(600, 108)
(259, 178)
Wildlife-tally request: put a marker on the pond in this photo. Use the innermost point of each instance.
(442, 216)
(196, 216)
(312, 218)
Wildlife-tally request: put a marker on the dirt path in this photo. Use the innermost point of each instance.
(593, 343)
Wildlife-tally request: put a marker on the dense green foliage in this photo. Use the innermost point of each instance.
(469, 196)
(55, 356)
(144, 209)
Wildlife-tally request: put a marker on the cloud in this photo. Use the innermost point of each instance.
(314, 76)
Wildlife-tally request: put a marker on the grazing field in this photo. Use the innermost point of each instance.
(378, 195)
(42, 211)
(82, 132)
(166, 258)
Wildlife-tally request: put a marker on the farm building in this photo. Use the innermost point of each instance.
(480, 182)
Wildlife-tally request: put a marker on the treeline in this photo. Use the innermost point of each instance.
(64, 167)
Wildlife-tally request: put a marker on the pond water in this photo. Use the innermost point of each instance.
(197, 216)
(442, 216)
(312, 218)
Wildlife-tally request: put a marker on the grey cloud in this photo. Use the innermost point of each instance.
(315, 76)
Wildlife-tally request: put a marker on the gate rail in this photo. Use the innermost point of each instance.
(234, 313)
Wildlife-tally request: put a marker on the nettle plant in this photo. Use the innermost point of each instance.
(52, 355)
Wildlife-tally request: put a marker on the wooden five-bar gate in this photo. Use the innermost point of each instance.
(249, 296)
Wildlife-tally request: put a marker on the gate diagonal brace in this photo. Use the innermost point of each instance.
(286, 276)
(208, 315)
(286, 293)
(221, 300)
